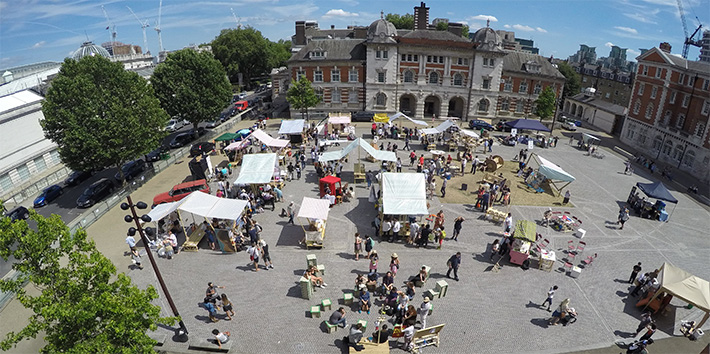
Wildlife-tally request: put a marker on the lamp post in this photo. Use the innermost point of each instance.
(182, 332)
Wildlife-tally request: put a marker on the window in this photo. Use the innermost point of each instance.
(380, 99)
(352, 97)
(689, 159)
(458, 79)
(317, 54)
(681, 121)
(637, 107)
(483, 105)
(319, 93)
(486, 85)
(681, 78)
(608, 94)
(24, 173)
(667, 147)
(5, 182)
(381, 77)
(537, 90)
(706, 84)
(657, 143)
(666, 118)
(491, 62)
(658, 73)
(649, 110)
(335, 75)
(691, 80)
(523, 88)
(410, 58)
(700, 130)
(353, 75)
(434, 59)
(706, 108)
(520, 106)
(416, 58)
(408, 76)
(404, 57)
(644, 69)
(686, 100)
(678, 152)
(300, 74)
(54, 156)
(433, 77)
(642, 86)
(381, 54)
(672, 98)
(485, 61)
(508, 85)
(318, 76)
(335, 95)
(505, 106)
(40, 165)
(462, 61)
(654, 91)
(378, 54)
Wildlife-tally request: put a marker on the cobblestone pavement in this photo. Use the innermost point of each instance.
(485, 312)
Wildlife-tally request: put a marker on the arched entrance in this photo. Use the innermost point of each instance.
(408, 105)
(432, 105)
(455, 107)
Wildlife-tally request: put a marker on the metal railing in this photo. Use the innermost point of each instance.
(31, 188)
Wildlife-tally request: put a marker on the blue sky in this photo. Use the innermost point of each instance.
(48, 30)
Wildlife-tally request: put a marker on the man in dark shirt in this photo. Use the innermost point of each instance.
(338, 318)
(634, 273)
(381, 336)
(453, 264)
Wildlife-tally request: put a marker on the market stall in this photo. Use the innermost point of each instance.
(258, 170)
(331, 189)
(524, 235)
(685, 286)
(547, 171)
(429, 135)
(294, 129)
(587, 140)
(373, 154)
(645, 208)
(403, 196)
(527, 124)
(400, 115)
(315, 211)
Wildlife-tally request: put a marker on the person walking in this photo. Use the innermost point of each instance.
(290, 169)
(453, 263)
(424, 309)
(495, 247)
(485, 202)
(651, 329)
(374, 259)
(412, 158)
(634, 273)
(394, 264)
(290, 210)
(211, 310)
(646, 320)
(463, 165)
(399, 164)
(358, 246)
(369, 244)
(623, 217)
(227, 306)
(474, 164)
(136, 258)
(508, 222)
(265, 254)
(550, 295)
(565, 200)
(457, 227)
(254, 254)
(131, 242)
(444, 183)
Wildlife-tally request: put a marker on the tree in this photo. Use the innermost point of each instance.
(545, 103)
(444, 26)
(192, 85)
(101, 115)
(405, 21)
(245, 51)
(301, 95)
(572, 83)
(464, 31)
(84, 305)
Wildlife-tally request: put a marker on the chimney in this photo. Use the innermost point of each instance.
(665, 46)
(300, 37)
(456, 28)
(421, 17)
(332, 27)
(360, 32)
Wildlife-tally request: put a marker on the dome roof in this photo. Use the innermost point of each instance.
(90, 49)
(487, 39)
(381, 31)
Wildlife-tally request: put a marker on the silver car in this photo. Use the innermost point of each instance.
(174, 124)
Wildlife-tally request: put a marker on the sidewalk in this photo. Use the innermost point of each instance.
(666, 345)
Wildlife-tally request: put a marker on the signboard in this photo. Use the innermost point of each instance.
(514, 131)
(531, 143)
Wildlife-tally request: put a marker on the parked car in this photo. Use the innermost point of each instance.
(155, 154)
(180, 191)
(180, 140)
(213, 123)
(174, 124)
(131, 170)
(477, 124)
(242, 95)
(48, 194)
(200, 131)
(19, 213)
(569, 126)
(76, 177)
(363, 116)
(96, 191)
(201, 148)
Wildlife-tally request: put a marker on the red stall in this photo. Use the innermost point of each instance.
(333, 183)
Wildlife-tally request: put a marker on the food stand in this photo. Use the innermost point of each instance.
(549, 171)
(403, 195)
(294, 129)
(523, 238)
(315, 211)
(257, 170)
(373, 154)
(645, 208)
(334, 185)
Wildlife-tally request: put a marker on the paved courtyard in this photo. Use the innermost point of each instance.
(485, 312)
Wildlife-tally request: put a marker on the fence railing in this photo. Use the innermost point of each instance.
(31, 188)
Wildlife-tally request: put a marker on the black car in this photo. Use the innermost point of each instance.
(362, 116)
(19, 213)
(130, 170)
(97, 191)
(76, 177)
(155, 154)
(478, 124)
(180, 140)
(200, 131)
(201, 148)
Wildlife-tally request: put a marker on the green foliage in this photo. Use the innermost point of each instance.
(545, 103)
(442, 26)
(84, 306)
(405, 21)
(101, 115)
(572, 84)
(464, 31)
(192, 85)
(301, 95)
(246, 51)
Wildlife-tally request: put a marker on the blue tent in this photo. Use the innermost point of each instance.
(657, 191)
(527, 124)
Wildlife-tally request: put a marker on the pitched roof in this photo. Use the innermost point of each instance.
(600, 104)
(516, 62)
(335, 49)
(435, 35)
(698, 66)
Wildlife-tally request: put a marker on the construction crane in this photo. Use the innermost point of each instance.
(110, 26)
(689, 40)
(239, 25)
(157, 27)
(144, 25)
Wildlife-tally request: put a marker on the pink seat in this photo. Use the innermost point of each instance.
(580, 247)
(589, 260)
(570, 246)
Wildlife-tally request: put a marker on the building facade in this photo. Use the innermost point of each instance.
(669, 112)
(524, 77)
(589, 108)
(611, 85)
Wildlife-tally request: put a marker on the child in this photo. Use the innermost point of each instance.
(373, 261)
(227, 306)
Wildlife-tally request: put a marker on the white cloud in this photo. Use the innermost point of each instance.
(339, 13)
(350, 2)
(626, 29)
(524, 28)
(642, 17)
(608, 44)
(540, 29)
(506, 26)
(482, 18)
(38, 44)
(633, 52)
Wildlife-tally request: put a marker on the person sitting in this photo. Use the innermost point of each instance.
(349, 195)
(387, 284)
(372, 281)
(570, 317)
(391, 299)
(360, 283)
(410, 317)
(355, 336)
(221, 337)
(409, 291)
(338, 318)
(420, 278)
(381, 336)
(315, 280)
(365, 301)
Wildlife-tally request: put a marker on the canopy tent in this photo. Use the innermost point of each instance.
(237, 145)
(470, 133)
(377, 154)
(404, 194)
(685, 286)
(551, 171)
(344, 119)
(268, 140)
(202, 204)
(586, 137)
(440, 129)
(657, 190)
(527, 124)
(525, 230)
(402, 115)
(256, 169)
(227, 137)
(313, 208)
(292, 126)
(162, 210)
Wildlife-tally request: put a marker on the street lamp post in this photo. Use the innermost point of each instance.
(182, 332)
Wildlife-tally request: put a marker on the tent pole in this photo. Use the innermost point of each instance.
(702, 322)
(669, 217)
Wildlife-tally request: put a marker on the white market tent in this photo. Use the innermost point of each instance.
(685, 286)
(292, 127)
(440, 129)
(313, 208)
(268, 140)
(404, 194)
(402, 115)
(470, 133)
(237, 145)
(377, 154)
(339, 119)
(256, 169)
(551, 171)
(202, 204)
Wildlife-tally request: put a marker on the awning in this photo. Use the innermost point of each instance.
(313, 208)
(402, 115)
(589, 136)
(527, 124)
(686, 286)
(381, 118)
(525, 230)
(268, 140)
(377, 154)
(657, 190)
(226, 137)
(256, 169)
(470, 133)
(554, 172)
(440, 129)
(404, 194)
(202, 204)
(339, 119)
(162, 210)
(292, 126)
(237, 145)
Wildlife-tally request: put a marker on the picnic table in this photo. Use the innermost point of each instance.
(564, 222)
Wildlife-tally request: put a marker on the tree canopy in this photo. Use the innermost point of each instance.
(405, 21)
(572, 83)
(301, 95)
(192, 85)
(246, 51)
(84, 306)
(101, 115)
(444, 26)
(545, 103)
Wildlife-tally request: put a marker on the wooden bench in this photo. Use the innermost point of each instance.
(370, 347)
(496, 215)
(209, 345)
(348, 298)
(194, 239)
(315, 311)
(330, 327)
